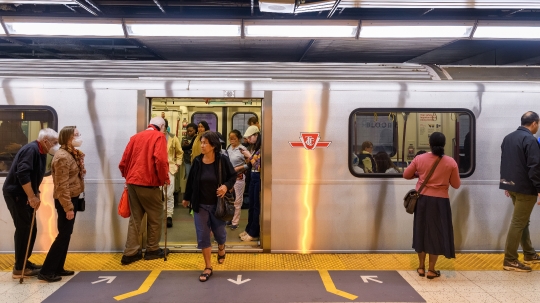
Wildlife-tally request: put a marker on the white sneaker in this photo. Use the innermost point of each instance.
(242, 234)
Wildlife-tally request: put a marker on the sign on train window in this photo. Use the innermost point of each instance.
(20, 125)
(240, 121)
(382, 142)
(209, 117)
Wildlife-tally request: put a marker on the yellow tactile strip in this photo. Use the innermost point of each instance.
(259, 261)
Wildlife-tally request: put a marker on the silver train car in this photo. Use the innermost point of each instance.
(314, 118)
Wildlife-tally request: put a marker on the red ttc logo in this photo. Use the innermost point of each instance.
(310, 141)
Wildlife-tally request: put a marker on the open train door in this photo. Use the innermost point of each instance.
(223, 115)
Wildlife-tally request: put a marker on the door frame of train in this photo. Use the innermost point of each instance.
(143, 116)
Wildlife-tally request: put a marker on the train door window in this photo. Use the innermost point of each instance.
(210, 117)
(240, 120)
(20, 125)
(383, 142)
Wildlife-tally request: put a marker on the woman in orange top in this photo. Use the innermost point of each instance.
(433, 232)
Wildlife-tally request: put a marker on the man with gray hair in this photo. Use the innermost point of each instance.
(21, 193)
(145, 166)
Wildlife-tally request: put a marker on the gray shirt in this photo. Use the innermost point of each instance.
(235, 156)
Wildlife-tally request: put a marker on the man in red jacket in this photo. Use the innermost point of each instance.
(146, 167)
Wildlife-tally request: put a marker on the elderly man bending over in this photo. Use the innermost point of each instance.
(146, 167)
(21, 193)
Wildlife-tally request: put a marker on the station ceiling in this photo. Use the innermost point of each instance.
(447, 51)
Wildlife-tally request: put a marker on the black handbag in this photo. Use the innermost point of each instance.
(409, 201)
(225, 206)
(81, 205)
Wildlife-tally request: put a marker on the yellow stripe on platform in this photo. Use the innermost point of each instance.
(144, 287)
(331, 288)
(260, 261)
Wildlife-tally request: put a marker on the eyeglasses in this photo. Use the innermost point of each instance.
(77, 135)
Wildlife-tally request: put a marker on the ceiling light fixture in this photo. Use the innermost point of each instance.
(302, 29)
(415, 30)
(507, 32)
(184, 29)
(70, 27)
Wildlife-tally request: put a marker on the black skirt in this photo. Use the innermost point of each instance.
(433, 231)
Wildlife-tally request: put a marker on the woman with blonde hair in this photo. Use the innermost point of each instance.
(68, 172)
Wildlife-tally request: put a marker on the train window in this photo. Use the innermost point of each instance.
(382, 142)
(240, 121)
(210, 117)
(20, 125)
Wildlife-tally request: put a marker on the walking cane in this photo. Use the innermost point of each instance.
(165, 221)
(28, 246)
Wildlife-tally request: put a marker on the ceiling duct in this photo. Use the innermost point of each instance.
(277, 6)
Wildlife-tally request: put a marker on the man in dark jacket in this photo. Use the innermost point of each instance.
(145, 166)
(520, 179)
(21, 193)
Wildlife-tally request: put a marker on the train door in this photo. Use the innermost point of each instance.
(223, 116)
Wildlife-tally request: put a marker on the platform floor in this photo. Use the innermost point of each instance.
(252, 277)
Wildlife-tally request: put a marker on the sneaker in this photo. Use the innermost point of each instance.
(156, 254)
(28, 272)
(242, 234)
(130, 259)
(233, 227)
(515, 266)
(169, 222)
(531, 259)
(32, 265)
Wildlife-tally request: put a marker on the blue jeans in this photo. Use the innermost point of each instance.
(253, 227)
(205, 221)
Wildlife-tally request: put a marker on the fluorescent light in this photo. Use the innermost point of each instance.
(2, 32)
(507, 32)
(301, 31)
(64, 29)
(415, 31)
(183, 30)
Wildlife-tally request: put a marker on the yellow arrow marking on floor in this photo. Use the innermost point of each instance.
(144, 287)
(331, 288)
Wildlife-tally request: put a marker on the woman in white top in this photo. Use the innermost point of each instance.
(238, 161)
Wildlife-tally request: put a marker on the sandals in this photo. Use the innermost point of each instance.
(221, 259)
(436, 272)
(206, 276)
(421, 274)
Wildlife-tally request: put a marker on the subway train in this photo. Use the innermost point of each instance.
(314, 118)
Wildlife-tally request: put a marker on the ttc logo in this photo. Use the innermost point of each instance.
(310, 141)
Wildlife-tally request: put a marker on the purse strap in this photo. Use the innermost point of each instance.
(429, 175)
(219, 171)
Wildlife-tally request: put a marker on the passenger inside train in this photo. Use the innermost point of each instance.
(392, 139)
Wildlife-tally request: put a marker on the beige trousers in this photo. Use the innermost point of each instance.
(144, 200)
(239, 187)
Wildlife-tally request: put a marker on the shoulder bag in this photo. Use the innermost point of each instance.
(225, 206)
(81, 205)
(409, 201)
(123, 207)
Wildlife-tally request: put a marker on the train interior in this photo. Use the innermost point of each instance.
(222, 115)
(397, 137)
(18, 128)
